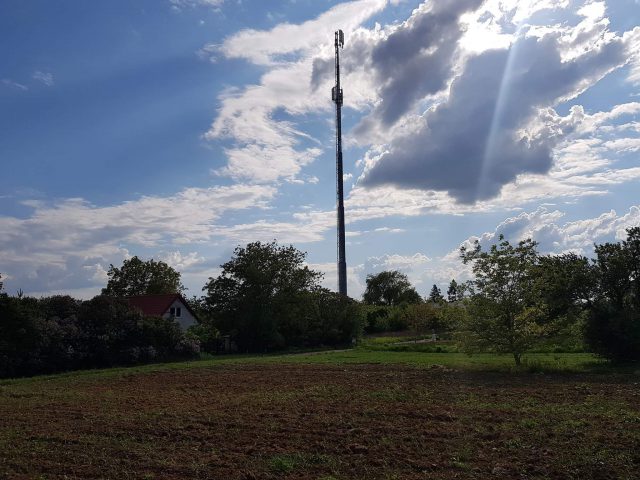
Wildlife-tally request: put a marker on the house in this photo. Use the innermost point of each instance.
(166, 306)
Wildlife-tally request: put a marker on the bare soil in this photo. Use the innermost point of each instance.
(322, 422)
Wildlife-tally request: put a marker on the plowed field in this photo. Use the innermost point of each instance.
(322, 422)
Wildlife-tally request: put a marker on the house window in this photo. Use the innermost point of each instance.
(175, 312)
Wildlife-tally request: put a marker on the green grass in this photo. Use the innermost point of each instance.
(389, 340)
(532, 363)
(283, 463)
(287, 463)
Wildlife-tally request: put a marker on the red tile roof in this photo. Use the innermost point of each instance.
(156, 305)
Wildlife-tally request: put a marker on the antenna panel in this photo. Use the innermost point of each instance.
(336, 96)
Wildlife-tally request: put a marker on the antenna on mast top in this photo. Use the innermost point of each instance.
(336, 96)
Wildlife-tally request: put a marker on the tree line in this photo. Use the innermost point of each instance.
(60, 333)
(519, 300)
(266, 298)
(519, 296)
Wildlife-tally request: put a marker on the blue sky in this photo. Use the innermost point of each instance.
(178, 129)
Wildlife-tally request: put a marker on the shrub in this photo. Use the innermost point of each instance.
(19, 337)
(207, 336)
(614, 333)
(60, 333)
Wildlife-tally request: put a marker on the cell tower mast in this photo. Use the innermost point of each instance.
(336, 96)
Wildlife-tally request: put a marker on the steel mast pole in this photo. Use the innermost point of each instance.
(337, 98)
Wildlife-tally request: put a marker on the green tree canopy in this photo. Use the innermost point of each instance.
(452, 291)
(435, 295)
(261, 296)
(566, 284)
(618, 270)
(138, 277)
(423, 318)
(504, 310)
(389, 288)
(613, 329)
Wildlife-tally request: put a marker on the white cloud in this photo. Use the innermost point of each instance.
(355, 281)
(268, 146)
(68, 244)
(263, 230)
(178, 5)
(398, 262)
(513, 129)
(10, 83)
(542, 225)
(634, 60)
(265, 148)
(421, 270)
(268, 47)
(180, 261)
(623, 144)
(44, 77)
(554, 236)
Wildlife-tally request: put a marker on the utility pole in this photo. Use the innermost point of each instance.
(336, 96)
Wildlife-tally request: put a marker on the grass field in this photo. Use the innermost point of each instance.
(357, 414)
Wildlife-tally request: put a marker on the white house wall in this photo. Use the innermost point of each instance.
(186, 319)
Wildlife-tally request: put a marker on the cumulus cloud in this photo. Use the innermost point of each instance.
(437, 146)
(264, 149)
(268, 47)
(634, 60)
(555, 236)
(421, 270)
(585, 164)
(263, 230)
(415, 60)
(355, 280)
(483, 136)
(181, 261)
(544, 225)
(418, 82)
(267, 146)
(398, 262)
(68, 244)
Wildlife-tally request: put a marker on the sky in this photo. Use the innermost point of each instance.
(180, 129)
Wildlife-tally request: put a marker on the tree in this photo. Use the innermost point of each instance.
(113, 333)
(452, 292)
(565, 285)
(618, 270)
(19, 337)
(613, 328)
(390, 288)
(336, 319)
(505, 315)
(435, 295)
(261, 296)
(137, 277)
(423, 318)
